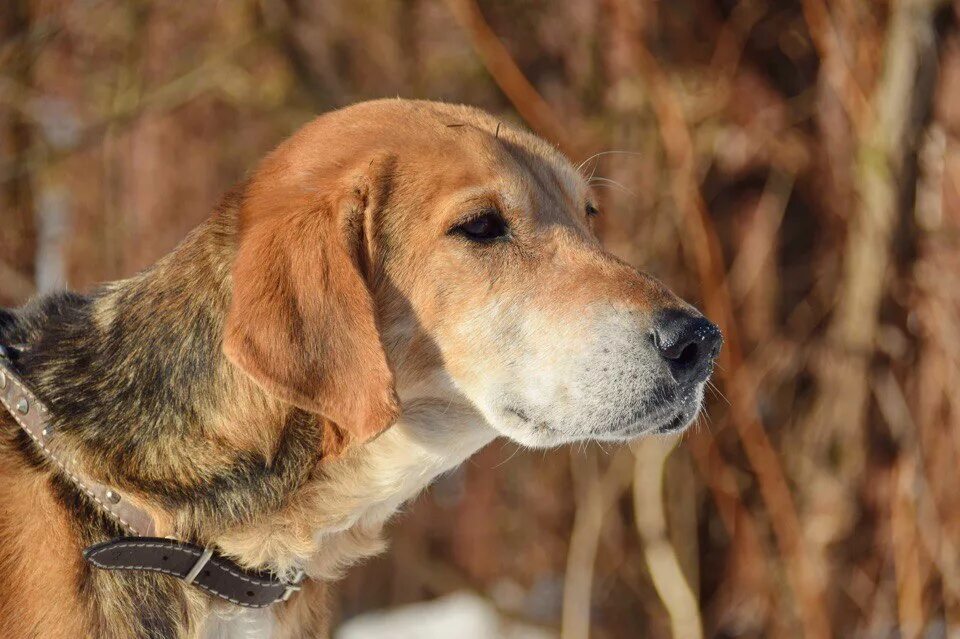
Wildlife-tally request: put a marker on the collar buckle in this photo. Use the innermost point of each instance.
(198, 566)
(293, 586)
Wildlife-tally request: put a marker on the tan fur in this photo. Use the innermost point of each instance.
(301, 617)
(309, 335)
(341, 292)
(38, 563)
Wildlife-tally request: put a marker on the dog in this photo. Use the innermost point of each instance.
(396, 285)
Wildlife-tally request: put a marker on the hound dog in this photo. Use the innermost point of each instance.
(392, 288)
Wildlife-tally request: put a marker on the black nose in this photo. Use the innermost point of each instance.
(689, 343)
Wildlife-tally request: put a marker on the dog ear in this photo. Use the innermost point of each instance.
(302, 320)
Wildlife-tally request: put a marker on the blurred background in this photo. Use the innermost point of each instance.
(788, 165)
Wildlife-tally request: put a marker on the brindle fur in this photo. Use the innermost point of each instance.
(126, 372)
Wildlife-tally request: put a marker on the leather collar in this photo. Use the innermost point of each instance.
(204, 568)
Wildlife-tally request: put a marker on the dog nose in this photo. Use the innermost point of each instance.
(689, 344)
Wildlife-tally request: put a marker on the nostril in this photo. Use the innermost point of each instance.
(687, 356)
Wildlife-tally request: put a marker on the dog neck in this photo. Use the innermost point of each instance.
(337, 519)
(138, 386)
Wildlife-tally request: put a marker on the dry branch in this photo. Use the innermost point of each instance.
(702, 247)
(842, 381)
(906, 555)
(836, 71)
(650, 517)
(510, 78)
(598, 495)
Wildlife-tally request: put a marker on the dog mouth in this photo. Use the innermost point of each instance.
(679, 418)
(675, 425)
(670, 415)
(670, 420)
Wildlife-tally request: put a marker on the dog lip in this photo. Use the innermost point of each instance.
(668, 408)
(672, 413)
(539, 426)
(671, 419)
(518, 413)
(677, 424)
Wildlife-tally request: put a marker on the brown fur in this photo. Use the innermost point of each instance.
(242, 388)
(32, 520)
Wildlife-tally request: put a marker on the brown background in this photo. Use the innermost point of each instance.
(792, 169)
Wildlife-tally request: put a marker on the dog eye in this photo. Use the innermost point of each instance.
(591, 210)
(486, 227)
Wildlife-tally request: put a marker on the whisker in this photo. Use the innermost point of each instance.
(603, 153)
(447, 407)
(713, 391)
(702, 422)
(515, 451)
(607, 180)
(602, 181)
(717, 392)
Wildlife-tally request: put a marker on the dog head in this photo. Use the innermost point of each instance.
(429, 249)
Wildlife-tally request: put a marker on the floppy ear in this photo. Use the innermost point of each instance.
(301, 322)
